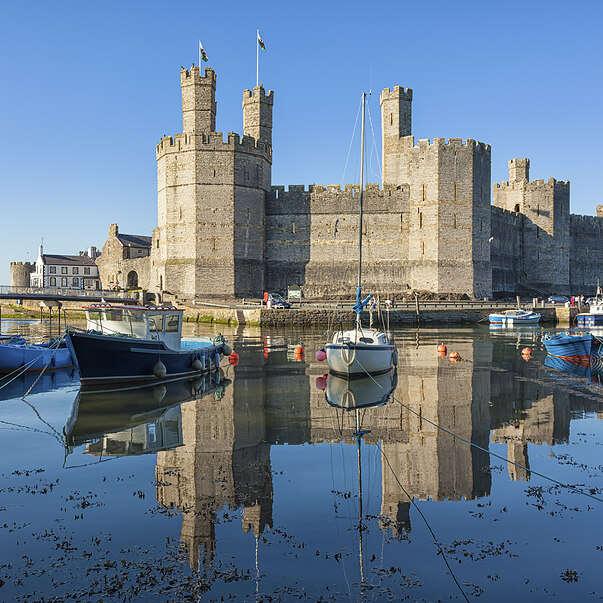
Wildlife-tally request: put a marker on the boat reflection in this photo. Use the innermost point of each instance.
(11, 387)
(590, 368)
(360, 393)
(138, 420)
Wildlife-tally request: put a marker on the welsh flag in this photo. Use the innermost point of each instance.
(202, 53)
(261, 42)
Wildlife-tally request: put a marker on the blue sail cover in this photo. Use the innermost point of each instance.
(360, 303)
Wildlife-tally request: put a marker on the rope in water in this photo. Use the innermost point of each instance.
(486, 450)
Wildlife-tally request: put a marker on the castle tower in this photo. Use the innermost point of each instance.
(211, 193)
(544, 212)
(20, 273)
(257, 114)
(198, 100)
(519, 170)
(396, 126)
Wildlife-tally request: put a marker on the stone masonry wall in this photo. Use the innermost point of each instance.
(586, 253)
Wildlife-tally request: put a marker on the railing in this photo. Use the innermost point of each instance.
(6, 290)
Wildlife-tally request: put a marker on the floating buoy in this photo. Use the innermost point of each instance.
(321, 382)
(527, 357)
(454, 359)
(226, 349)
(454, 356)
(442, 348)
(233, 359)
(442, 353)
(159, 370)
(198, 364)
(526, 352)
(321, 355)
(297, 356)
(298, 350)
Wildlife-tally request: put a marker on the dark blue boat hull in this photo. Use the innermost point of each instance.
(106, 360)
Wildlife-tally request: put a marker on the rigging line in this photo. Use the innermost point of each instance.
(486, 450)
(414, 504)
(350, 146)
(374, 143)
(20, 371)
(54, 351)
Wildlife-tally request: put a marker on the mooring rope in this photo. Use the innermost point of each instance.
(486, 450)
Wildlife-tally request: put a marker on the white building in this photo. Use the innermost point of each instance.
(66, 271)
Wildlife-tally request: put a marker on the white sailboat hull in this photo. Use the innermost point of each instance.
(357, 360)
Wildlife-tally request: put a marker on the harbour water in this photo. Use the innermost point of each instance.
(265, 485)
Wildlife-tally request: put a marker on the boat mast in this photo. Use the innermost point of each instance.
(358, 295)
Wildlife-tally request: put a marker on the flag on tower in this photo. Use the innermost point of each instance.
(261, 42)
(202, 53)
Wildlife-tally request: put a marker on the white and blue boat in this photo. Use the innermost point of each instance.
(126, 345)
(569, 344)
(514, 317)
(593, 318)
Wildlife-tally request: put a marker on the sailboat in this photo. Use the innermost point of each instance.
(359, 352)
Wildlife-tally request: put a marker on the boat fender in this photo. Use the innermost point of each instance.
(217, 359)
(159, 392)
(395, 358)
(159, 370)
(226, 350)
(321, 355)
(198, 363)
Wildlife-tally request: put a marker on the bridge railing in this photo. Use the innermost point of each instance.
(63, 292)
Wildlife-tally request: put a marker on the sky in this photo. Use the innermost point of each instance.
(88, 89)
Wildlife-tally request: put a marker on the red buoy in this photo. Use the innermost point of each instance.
(321, 355)
(233, 359)
(441, 353)
(442, 348)
(526, 351)
(454, 356)
(321, 382)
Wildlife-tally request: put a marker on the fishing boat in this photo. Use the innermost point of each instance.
(34, 357)
(592, 318)
(139, 344)
(569, 344)
(514, 317)
(359, 352)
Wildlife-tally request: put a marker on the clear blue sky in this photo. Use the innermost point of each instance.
(88, 89)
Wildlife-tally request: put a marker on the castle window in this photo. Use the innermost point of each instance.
(391, 119)
(420, 220)
(454, 221)
(537, 232)
(157, 245)
(516, 210)
(180, 213)
(422, 247)
(214, 173)
(538, 210)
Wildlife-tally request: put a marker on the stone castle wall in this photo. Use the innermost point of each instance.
(586, 252)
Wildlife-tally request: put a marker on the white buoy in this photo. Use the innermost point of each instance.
(199, 364)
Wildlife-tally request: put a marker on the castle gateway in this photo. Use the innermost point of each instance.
(224, 231)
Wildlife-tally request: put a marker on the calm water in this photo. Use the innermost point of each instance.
(255, 487)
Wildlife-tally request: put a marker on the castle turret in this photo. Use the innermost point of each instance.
(198, 101)
(396, 126)
(519, 169)
(257, 114)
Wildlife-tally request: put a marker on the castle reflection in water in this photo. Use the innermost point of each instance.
(218, 453)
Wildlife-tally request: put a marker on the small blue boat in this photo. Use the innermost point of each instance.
(568, 344)
(34, 357)
(139, 344)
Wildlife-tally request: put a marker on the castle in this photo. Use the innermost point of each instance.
(224, 231)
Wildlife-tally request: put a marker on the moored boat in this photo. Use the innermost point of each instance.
(514, 317)
(568, 344)
(25, 357)
(593, 318)
(139, 344)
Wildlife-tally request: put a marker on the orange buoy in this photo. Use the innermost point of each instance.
(441, 353)
(526, 351)
(454, 355)
(298, 349)
(233, 359)
(527, 357)
(442, 348)
(454, 359)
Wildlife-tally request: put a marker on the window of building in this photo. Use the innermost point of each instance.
(53, 270)
(86, 270)
(76, 270)
(64, 281)
(63, 269)
(53, 281)
(75, 282)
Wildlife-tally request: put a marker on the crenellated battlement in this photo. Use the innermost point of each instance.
(397, 92)
(194, 73)
(426, 144)
(260, 94)
(214, 141)
(531, 186)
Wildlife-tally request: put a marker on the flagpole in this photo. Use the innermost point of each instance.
(199, 63)
(257, 59)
